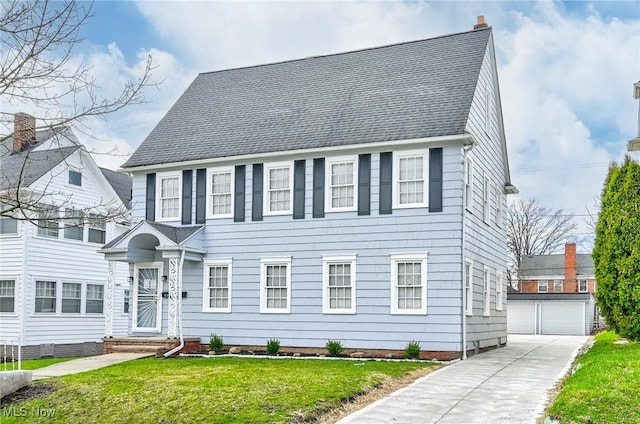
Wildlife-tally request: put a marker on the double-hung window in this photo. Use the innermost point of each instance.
(583, 286)
(341, 184)
(48, 222)
(217, 285)
(97, 229)
(339, 284)
(45, 297)
(126, 301)
(71, 298)
(486, 292)
(75, 178)
(499, 290)
(279, 189)
(8, 226)
(95, 299)
(468, 184)
(409, 173)
(486, 198)
(7, 296)
(221, 193)
(168, 196)
(543, 286)
(275, 285)
(499, 200)
(558, 286)
(73, 225)
(409, 284)
(468, 287)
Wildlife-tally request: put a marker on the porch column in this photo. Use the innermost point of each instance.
(108, 297)
(172, 331)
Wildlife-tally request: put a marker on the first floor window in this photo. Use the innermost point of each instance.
(45, 297)
(409, 284)
(169, 196)
(126, 298)
(71, 296)
(97, 229)
(95, 296)
(339, 279)
(275, 281)
(73, 226)
(499, 291)
(582, 286)
(7, 295)
(468, 287)
(217, 293)
(48, 223)
(543, 286)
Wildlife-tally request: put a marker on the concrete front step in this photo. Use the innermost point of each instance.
(140, 348)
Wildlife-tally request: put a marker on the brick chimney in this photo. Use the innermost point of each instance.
(481, 23)
(570, 267)
(24, 131)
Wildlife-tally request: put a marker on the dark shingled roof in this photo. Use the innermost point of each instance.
(546, 265)
(175, 234)
(403, 91)
(121, 183)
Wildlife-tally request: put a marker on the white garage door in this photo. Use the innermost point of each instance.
(521, 318)
(562, 318)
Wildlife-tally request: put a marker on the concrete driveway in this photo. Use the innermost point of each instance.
(506, 385)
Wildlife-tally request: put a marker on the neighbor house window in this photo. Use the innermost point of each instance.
(71, 298)
(217, 285)
(45, 297)
(341, 184)
(583, 286)
(48, 223)
(95, 299)
(97, 229)
(7, 295)
(543, 286)
(73, 226)
(499, 200)
(8, 226)
(339, 284)
(486, 292)
(558, 286)
(409, 284)
(468, 184)
(468, 286)
(220, 193)
(486, 193)
(275, 285)
(75, 178)
(409, 174)
(169, 196)
(278, 182)
(499, 290)
(126, 299)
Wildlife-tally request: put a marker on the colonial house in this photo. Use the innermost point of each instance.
(356, 196)
(555, 295)
(52, 279)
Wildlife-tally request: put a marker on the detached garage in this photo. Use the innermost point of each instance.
(550, 313)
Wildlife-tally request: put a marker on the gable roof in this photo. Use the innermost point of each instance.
(176, 235)
(121, 184)
(32, 165)
(550, 265)
(403, 91)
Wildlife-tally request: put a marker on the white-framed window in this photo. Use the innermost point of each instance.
(75, 178)
(583, 286)
(220, 185)
(217, 285)
(278, 183)
(7, 296)
(543, 286)
(73, 225)
(499, 290)
(8, 226)
(126, 301)
(468, 286)
(71, 298)
(275, 285)
(409, 179)
(45, 300)
(486, 292)
(486, 198)
(168, 194)
(487, 111)
(48, 223)
(468, 184)
(558, 286)
(94, 303)
(342, 184)
(409, 284)
(339, 284)
(499, 205)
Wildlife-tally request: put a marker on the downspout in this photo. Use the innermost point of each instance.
(181, 345)
(462, 256)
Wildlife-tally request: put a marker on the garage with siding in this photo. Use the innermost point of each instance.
(550, 313)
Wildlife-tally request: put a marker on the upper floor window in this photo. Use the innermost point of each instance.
(468, 184)
(486, 193)
(48, 222)
(275, 285)
(97, 229)
(468, 286)
(339, 284)
(220, 193)
(217, 285)
(583, 286)
(543, 286)
(7, 296)
(8, 226)
(73, 225)
(75, 178)
(487, 111)
(341, 184)
(168, 197)
(409, 174)
(409, 284)
(558, 286)
(279, 187)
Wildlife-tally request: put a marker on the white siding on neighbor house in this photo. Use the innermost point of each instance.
(485, 242)
(11, 266)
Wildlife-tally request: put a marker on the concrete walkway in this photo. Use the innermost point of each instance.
(506, 385)
(85, 364)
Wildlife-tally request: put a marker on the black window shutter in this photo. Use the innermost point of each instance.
(299, 170)
(364, 184)
(150, 213)
(238, 207)
(256, 202)
(187, 195)
(318, 188)
(386, 183)
(435, 180)
(201, 196)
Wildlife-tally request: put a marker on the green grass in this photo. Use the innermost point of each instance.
(34, 364)
(606, 387)
(216, 390)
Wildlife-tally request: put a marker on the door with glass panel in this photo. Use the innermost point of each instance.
(147, 292)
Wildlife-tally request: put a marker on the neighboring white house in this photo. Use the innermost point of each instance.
(52, 280)
(356, 196)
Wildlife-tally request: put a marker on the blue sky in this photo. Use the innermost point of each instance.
(566, 69)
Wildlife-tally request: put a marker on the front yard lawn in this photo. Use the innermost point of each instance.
(34, 364)
(215, 390)
(605, 388)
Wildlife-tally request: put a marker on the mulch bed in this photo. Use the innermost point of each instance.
(33, 391)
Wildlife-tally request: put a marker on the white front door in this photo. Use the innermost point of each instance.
(147, 295)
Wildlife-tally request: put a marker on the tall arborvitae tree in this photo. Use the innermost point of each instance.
(617, 250)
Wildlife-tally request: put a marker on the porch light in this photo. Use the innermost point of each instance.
(164, 278)
(130, 279)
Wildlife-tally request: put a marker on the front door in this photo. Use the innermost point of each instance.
(147, 312)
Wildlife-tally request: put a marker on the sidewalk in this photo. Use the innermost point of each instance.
(85, 364)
